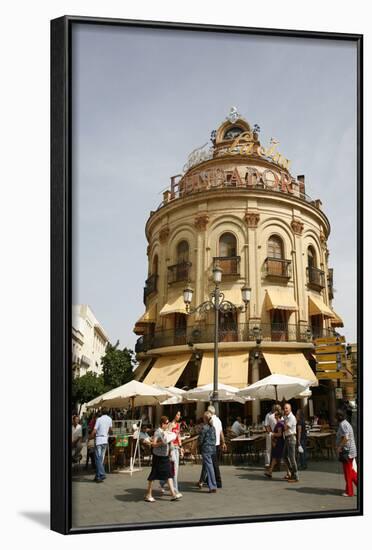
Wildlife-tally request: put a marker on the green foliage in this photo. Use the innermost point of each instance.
(87, 387)
(117, 366)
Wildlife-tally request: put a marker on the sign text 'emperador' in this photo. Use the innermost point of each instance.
(240, 177)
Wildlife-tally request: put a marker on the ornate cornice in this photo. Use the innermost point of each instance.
(164, 234)
(201, 222)
(252, 218)
(297, 226)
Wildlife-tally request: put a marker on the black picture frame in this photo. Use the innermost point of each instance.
(61, 235)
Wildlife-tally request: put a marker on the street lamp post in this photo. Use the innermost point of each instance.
(218, 303)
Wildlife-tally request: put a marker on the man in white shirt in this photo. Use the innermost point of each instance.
(220, 442)
(102, 428)
(290, 443)
(238, 427)
(77, 438)
(269, 424)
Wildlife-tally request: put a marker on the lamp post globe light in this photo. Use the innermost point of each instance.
(218, 303)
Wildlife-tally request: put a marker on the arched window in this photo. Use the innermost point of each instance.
(182, 252)
(275, 248)
(233, 132)
(227, 245)
(311, 257)
(155, 265)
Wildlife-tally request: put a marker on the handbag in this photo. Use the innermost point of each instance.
(343, 455)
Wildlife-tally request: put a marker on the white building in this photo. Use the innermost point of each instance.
(89, 341)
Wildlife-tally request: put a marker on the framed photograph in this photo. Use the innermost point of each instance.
(206, 275)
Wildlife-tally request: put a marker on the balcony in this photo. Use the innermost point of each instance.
(179, 272)
(315, 278)
(330, 284)
(230, 265)
(241, 332)
(151, 285)
(276, 268)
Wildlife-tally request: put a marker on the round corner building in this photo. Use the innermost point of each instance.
(238, 207)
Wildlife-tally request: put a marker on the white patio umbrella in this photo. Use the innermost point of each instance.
(177, 398)
(204, 393)
(276, 386)
(133, 394)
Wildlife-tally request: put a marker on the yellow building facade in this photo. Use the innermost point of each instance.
(237, 206)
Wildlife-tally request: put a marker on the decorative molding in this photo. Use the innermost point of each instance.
(297, 226)
(251, 218)
(201, 221)
(164, 234)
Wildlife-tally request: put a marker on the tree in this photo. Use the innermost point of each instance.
(87, 387)
(117, 366)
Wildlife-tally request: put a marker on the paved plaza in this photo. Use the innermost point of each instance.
(119, 499)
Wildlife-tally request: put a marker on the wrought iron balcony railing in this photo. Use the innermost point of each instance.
(315, 278)
(179, 272)
(240, 332)
(230, 265)
(330, 284)
(278, 268)
(151, 285)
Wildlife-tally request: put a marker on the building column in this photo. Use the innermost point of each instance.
(254, 378)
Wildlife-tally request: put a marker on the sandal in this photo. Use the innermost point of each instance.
(267, 474)
(149, 499)
(287, 477)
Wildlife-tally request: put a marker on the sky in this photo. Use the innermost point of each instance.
(143, 99)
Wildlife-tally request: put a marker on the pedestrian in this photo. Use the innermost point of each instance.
(175, 451)
(76, 439)
(102, 429)
(238, 428)
(347, 452)
(207, 444)
(277, 443)
(220, 442)
(269, 424)
(161, 467)
(301, 440)
(290, 444)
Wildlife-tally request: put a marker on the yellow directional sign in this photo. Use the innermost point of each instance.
(329, 349)
(326, 366)
(327, 357)
(330, 375)
(331, 340)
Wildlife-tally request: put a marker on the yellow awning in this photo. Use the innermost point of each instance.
(141, 369)
(318, 307)
(290, 364)
(280, 298)
(174, 305)
(336, 321)
(167, 370)
(233, 295)
(232, 369)
(149, 316)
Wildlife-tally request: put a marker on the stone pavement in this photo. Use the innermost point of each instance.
(119, 499)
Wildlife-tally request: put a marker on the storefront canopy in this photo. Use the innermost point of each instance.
(167, 370)
(175, 304)
(290, 364)
(233, 295)
(318, 307)
(280, 298)
(142, 368)
(232, 369)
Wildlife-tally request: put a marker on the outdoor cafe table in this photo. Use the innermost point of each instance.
(248, 440)
(319, 439)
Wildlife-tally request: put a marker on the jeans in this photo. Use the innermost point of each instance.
(209, 469)
(302, 457)
(289, 454)
(175, 459)
(100, 457)
(216, 467)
